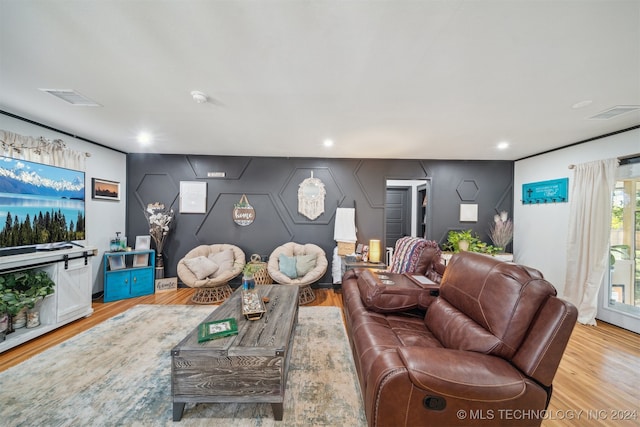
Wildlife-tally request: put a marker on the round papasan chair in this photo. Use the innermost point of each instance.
(299, 265)
(208, 268)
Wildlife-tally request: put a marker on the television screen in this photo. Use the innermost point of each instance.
(40, 204)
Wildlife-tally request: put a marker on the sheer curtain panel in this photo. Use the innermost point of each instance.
(588, 238)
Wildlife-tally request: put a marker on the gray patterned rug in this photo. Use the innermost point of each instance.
(118, 374)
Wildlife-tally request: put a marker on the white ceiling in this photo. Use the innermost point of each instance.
(384, 79)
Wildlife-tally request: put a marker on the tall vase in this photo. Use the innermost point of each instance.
(159, 266)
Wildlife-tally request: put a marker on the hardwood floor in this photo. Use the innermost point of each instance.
(598, 381)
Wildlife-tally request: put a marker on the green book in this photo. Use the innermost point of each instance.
(217, 329)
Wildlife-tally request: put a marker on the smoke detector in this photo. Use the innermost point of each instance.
(199, 97)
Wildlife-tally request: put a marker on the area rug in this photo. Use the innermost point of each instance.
(118, 374)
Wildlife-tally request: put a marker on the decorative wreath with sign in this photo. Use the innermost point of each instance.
(243, 212)
(311, 197)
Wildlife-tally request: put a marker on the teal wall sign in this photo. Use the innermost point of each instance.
(552, 191)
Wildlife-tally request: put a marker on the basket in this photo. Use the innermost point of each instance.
(260, 273)
(346, 248)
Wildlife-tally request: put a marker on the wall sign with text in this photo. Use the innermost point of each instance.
(552, 191)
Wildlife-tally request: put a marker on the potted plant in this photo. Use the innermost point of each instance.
(24, 290)
(459, 240)
(467, 240)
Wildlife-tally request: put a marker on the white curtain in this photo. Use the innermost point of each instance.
(588, 239)
(41, 150)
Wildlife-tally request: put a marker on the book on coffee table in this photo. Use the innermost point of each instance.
(217, 329)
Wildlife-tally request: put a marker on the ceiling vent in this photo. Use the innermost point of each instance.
(72, 97)
(615, 111)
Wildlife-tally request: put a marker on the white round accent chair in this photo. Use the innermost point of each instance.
(209, 268)
(299, 265)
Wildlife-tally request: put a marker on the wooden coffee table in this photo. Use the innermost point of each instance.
(249, 367)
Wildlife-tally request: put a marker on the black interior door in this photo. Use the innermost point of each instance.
(397, 214)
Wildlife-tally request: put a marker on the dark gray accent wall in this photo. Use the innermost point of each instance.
(271, 186)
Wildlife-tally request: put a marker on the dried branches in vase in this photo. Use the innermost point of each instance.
(160, 221)
(501, 230)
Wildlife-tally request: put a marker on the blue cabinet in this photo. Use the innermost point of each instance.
(128, 274)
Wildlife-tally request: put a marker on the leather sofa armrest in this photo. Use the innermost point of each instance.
(464, 375)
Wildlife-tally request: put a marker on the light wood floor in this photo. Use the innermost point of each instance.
(597, 382)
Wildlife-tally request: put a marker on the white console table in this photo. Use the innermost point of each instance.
(70, 269)
(446, 256)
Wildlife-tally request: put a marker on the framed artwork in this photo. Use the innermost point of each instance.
(116, 262)
(193, 197)
(141, 260)
(104, 189)
(468, 212)
(143, 242)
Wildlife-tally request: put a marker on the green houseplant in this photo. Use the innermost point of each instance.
(467, 240)
(23, 289)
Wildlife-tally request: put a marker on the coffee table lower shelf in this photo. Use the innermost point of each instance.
(250, 367)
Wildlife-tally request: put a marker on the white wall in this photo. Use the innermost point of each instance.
(540, 231)
(103, 218)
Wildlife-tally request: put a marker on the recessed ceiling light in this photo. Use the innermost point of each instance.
(144, 138)
(328, 142)
(199, 97)
(503, 145)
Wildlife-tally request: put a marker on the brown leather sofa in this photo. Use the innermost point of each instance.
(485, 352)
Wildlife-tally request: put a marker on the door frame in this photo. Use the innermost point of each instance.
(619, 315)
(415, 185)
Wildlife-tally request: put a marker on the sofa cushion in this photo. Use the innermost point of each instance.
(288, 266)
(201, 266)
(501, 300)
(430, 255)
(304, 264)
(224, 259)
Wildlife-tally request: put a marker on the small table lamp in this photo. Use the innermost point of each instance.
(374, 250)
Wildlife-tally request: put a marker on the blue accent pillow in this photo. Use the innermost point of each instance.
(288, 266)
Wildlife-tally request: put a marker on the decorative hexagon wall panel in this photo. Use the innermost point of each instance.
(157, 188)
(467, 190)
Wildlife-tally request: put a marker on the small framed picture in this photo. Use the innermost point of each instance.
(104, 189)
(468, 212)
(116, 262)
(359, 248)
(143, 242)
(193, 197)
(141, 260)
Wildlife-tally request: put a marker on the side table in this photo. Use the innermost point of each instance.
(349, 265)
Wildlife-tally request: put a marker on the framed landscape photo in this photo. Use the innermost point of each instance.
(104, 189)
